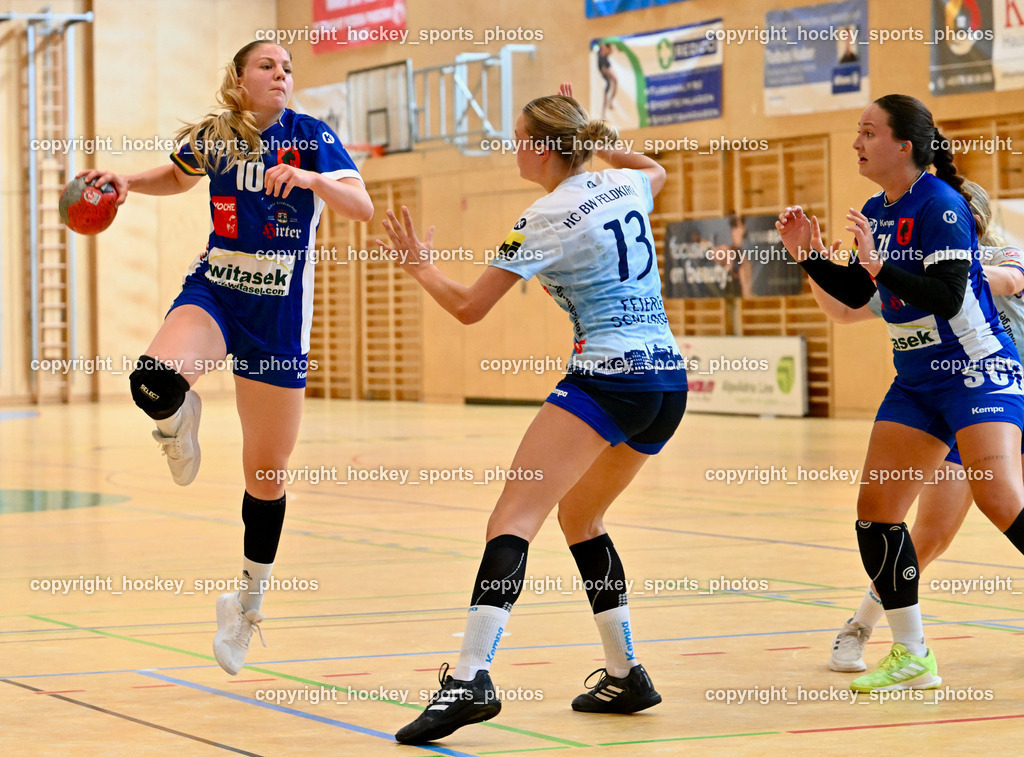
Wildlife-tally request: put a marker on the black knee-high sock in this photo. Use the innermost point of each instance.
(603, 575)
(1015, 533)
(499, 582)
(502, 569)
(263, 519)
(891, 562)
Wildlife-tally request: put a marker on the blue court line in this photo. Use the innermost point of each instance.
(1002, 623)
(791, 543)
(14, 415)
(289, 711)
(386, 614)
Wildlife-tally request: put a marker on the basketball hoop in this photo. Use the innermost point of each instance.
(359, 152)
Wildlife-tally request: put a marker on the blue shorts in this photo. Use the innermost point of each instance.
(249, 360)
(644, 420)
(943, 409)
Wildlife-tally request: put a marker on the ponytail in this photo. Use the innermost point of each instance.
(230, 133)
(562, 125)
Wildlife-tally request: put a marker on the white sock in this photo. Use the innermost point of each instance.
(169, 426)
(617, 638)
(255, 576)
(870, 610)
(907, 629)
(484, 626)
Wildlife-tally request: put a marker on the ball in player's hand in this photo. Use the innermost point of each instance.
(86, 208)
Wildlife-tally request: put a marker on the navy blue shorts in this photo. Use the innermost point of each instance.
(248, 360)
(645, 421)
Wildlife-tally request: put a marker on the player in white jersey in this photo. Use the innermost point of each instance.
(958, 376)
(241, 297)
(942, 505)
(589, 242)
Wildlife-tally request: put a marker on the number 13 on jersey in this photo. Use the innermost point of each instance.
(620, 241)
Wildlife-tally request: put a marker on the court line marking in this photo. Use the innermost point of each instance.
(299, 713)
(789, 543)
(441, 653)
(146, 723)
(307, 681)
(916, 722)
(693, 738)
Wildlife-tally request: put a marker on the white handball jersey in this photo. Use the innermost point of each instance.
(589, 243)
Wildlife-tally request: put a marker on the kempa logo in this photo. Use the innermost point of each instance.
(982, 410)
(494, 646)
(630, 654)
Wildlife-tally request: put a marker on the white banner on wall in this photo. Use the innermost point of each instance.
(329, 103)
(748, 375)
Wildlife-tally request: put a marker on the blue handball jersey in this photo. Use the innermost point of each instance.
(589, 243)
(258, 257)
(931, 222)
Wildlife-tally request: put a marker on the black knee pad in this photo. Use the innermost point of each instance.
(157, 389)
(891, 562)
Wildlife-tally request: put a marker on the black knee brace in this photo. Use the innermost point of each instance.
(157, 389)
(891, 562)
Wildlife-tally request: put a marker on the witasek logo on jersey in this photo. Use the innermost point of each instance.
(260, 275)
(914, 335)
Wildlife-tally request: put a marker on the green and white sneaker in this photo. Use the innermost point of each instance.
(900, 670)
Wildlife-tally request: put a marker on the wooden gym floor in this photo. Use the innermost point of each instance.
(376, 575)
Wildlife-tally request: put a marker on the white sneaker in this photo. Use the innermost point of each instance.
(848, 648)
(234, 629)
(182, 450)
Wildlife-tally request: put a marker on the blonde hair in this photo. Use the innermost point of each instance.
(564, 127)
(981, 207)
(232, 131)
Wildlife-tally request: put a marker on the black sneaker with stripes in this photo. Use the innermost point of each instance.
(633, 693)
(458, 703)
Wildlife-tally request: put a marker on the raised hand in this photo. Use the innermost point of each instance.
(406, 247)
(795, 230)
(866, 252)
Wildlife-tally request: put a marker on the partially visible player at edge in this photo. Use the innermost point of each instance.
(942, 505)
(250, 294)
(620, 402)
(958, 376)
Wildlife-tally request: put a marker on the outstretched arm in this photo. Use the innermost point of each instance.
(162, 180)
(468, 304)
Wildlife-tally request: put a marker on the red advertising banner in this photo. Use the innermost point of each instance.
(350, 23)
